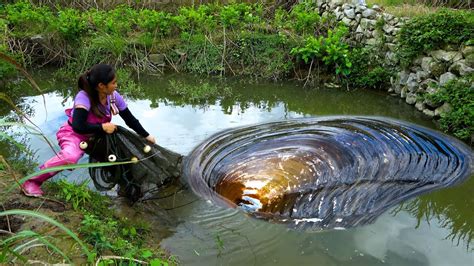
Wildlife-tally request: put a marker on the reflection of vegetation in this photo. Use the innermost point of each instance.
(203, 93)
(451, 207)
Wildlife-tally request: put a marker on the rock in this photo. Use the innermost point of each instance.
(411, 98)
(412, 83)
(360, 9)
(430, 90)
(445, 108)
(403, 92)
(445, 56)
(391, 58)
(369, 13)
(421, 75)
(157, 59)
(339, 15)
(367, 24)
(469, 60)
(391, 47)
(402, 77)
(426, 84)
(358, 18)
(460, 68)
(426, 63)
(428, 112)
(387, 17)
(446, 77)
(346, 21)
(467, 50)
(377, 8)
(420, 106)
(389, 29)
(359, 29)
(350, 13)
(417, 61)
(368, 34)
(371, 41)
(432, 66)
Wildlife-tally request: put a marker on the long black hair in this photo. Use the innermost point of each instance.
(89, 80)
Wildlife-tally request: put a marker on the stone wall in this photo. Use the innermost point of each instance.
(373, 27)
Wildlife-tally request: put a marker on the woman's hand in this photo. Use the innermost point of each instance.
(151, 139)
(109, 128)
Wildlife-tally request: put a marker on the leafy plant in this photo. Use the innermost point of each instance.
(330, 50)
(367, 69)
(434, 31)
(459, 93)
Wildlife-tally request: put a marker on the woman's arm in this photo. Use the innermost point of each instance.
(133, 123)
(80, 124)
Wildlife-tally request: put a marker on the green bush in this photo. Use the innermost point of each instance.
(434, 31)
(367, 69)
(459, 93)
(333, 52)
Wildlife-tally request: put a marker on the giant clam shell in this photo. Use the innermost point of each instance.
(326, 172)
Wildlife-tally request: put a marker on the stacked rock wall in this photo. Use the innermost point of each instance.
(373, 27)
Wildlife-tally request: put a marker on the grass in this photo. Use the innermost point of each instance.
(403, 8)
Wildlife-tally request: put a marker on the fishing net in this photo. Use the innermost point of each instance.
(155, 166)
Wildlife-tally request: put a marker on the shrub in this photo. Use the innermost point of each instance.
(459, 93)
(367, 69)
(330, 50)
(434, 31)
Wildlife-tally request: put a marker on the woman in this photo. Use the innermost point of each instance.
(94, 105)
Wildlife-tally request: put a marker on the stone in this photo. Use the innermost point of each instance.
(410, 98)
(446, 56)
(403, 92)
(428, 112)
(367, 24)
(359, 29)
(339, 15)
(428, 85)
(360, 9)
(445, 78)
(412, 83)
(358, 18)
(432, 66)
(387, 17)
(460, 68)
(157, 59)
(369, 13)
(402, 77)
(368, 34)
(346, 21)
(391, 47)
(391, 58)
(377, 8)
(421, 75)
(469, 60)
(467, 50)
(389, 29)
(350, 13)
(445, 108)
(371, 41)
(426, 63)
(420, 106)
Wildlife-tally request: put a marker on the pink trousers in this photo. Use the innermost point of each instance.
(70, 151)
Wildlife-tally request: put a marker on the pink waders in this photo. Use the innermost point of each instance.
(70, 153)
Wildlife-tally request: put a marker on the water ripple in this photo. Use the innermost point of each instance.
(326, 172)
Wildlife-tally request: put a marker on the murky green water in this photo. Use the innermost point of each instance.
(435, 229)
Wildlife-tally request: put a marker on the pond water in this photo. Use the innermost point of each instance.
(434, 229)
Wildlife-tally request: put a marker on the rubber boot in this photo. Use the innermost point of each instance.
(32, 186)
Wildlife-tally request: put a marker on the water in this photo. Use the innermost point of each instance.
(435, 229)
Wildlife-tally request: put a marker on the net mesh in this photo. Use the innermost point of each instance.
(155, 167)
